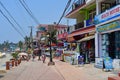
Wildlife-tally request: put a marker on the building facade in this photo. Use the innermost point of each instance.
(84, 12)
(107, 34)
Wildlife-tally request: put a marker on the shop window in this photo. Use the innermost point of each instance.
(105, 6)
(111, 45)
(117, 1)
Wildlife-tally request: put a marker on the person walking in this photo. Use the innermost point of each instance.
(43, 58)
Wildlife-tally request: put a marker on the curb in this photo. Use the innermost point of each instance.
(3, 71)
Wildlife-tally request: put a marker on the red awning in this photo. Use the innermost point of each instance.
(53, 44)
(70, 39)
(82, 31)
(60, 44)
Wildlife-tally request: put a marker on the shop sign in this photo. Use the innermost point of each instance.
(108, 15)
(42, 28)
(63, 35)
(89, 22)
(99, 63)
(108, 63)
(107, 27)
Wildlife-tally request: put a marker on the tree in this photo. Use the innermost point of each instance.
(51, 39)
(20, 45)
(27, 42)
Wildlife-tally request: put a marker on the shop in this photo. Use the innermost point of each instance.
(107, 37)
(85, 39)
(109, 45)
(87, 48)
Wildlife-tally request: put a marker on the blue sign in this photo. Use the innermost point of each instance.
(108, 15)
(80, 59)
(107, 27)
(108, 63)
(42, 29)
(89, 22)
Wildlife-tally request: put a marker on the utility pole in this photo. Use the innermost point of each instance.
(31, 36)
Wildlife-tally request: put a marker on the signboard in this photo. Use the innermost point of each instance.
(108, 63)
(89, 22)
(107, 27)
(108, 14)
(42, 29)
(80, 59)
(99, 63)
(63, 35)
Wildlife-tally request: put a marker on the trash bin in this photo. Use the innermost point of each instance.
(13, 63)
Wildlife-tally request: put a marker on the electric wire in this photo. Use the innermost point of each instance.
(29, 11)
(11, 23)
(68, 4)
(12, 17)
(71, 6)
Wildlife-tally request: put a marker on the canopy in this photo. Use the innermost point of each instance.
(86, 38)
(22, 53)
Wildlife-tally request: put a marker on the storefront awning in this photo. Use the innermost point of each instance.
(86, 38)
(82, 31)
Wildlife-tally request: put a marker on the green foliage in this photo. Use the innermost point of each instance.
(20, 44)
(53, 36)
(15, 55)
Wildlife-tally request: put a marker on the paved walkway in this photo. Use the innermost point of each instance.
(36, 70)
(3, 61)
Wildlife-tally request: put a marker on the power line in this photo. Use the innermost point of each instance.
(68, 4)
(11, 23)
(29, 11)
(12, 17)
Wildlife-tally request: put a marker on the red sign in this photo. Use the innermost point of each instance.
(63, 35)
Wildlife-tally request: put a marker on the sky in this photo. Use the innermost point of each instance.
(45, 11)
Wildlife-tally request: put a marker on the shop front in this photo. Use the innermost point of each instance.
(86, 43)
(109, 42)
(87, 48)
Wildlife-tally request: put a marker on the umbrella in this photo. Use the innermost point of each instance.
(22, 53)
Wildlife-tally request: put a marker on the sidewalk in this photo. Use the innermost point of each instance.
(36, 70)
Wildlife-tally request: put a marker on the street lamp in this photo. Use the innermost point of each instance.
(50, 41)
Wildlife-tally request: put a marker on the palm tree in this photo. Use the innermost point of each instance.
(52, 39)
(27, 42)
(20, 45)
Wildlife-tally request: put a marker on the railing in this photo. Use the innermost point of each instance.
(77, 4)
(79, 25)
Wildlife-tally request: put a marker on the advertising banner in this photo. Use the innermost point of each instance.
(108, 15)
(108, 63)
(107, 27)
(80, 59)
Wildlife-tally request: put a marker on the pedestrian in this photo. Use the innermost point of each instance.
(33, 56)
(39, 54)
(43, 58)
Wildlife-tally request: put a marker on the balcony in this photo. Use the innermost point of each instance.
(79, 25)
(77, 4)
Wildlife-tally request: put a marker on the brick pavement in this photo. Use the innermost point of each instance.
(36, 70)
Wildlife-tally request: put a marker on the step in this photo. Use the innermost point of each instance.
(114, 78)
